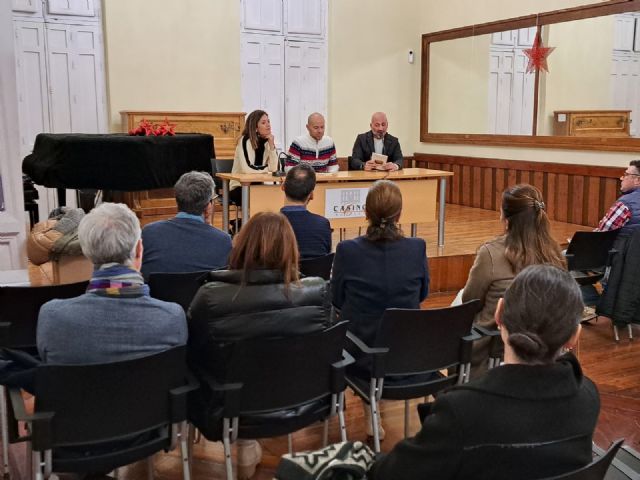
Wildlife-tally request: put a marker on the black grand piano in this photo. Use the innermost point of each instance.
(115, 162)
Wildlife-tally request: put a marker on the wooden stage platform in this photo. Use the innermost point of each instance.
(612, 366)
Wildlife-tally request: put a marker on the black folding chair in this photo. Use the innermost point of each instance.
(278, 386)
(19, 309)
(411, 349)
(589, 255)
(317, 266)
(91, 418)
(596, 470)
(176, 287)
(224, 166)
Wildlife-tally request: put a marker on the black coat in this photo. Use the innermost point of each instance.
(363, 148)
(621, 298)
(518, 421)
(225, 311)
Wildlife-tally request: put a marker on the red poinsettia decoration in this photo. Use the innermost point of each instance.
(148, 128)
(538, 55)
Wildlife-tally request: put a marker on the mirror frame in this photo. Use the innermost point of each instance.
(609, 7)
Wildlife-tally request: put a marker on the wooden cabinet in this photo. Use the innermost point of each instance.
(592, 123)
(225, 127)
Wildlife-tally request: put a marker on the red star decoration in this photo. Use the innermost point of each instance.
(538, 55)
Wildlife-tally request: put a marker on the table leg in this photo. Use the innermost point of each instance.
(443, 190)
(245, 204)
(225, 205)
(414, 229)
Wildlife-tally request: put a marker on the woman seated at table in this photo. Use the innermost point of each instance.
(532, 417)
(255, 153)
(527, 241)
(261, 295)
(382, 269)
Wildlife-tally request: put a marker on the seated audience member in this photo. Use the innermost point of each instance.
(186, 243)
(626, 210)
(527, 241)
(260, 296)
(532, 417)
(380, 270)
(314, 148)
(116, 319)
(376, 140)
(255, 153)
(312, 231)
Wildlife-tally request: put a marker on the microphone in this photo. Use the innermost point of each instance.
(282, 158)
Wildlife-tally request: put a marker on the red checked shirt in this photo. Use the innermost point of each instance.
(617, 216)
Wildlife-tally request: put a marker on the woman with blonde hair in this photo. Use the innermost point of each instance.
(261, 295)
(382, 269)
(527, 241)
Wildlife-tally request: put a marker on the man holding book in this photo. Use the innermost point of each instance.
(376, 149)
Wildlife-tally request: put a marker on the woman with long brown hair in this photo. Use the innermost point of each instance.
(527, 241)
(261, 295)
(256, 151)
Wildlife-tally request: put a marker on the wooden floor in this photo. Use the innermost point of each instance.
(613, 367)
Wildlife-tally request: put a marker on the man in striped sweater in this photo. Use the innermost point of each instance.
(314, 148)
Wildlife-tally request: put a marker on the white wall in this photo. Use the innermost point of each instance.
(173, 56)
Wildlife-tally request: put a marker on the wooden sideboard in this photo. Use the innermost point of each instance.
(160, 204)
(225, 127)
(591, 123)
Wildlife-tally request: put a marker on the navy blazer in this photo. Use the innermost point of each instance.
(363, 148)
(369, 277)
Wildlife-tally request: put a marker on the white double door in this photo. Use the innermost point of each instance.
(287, 78)
(60, 83)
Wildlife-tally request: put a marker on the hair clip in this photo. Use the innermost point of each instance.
(539, 205)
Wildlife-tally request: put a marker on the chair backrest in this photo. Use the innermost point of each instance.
(104, 402)
(20, 306)
(590, 250)
(176, 287)
(283, 373)
(221, 166)
(317, 266)
(424, 340)
(596, 470)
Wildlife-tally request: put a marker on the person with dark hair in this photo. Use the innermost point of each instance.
(186, 243)
(532, 417)
(527, 241)
(313, 232)
(255, 153)
(626, 210)
(382, 269)
(376, 140)
(260, 296)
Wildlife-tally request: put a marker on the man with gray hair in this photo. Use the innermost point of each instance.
(116, 319)
(186, 243)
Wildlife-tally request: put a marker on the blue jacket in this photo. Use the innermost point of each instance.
(183, 245)
(632, 201)
(369, 277)
(313, 232)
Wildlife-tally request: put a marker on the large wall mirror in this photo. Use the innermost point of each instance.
(476, 90)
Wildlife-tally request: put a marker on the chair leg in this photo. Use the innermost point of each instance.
(615, 334)
(290, 443)
(226, 442)
(5, 431)
(150, 467)
(406, 419)
(325, 432)
(341, 422)
(630, 329)
(374, 424)
(184, 450)
(36, 466)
